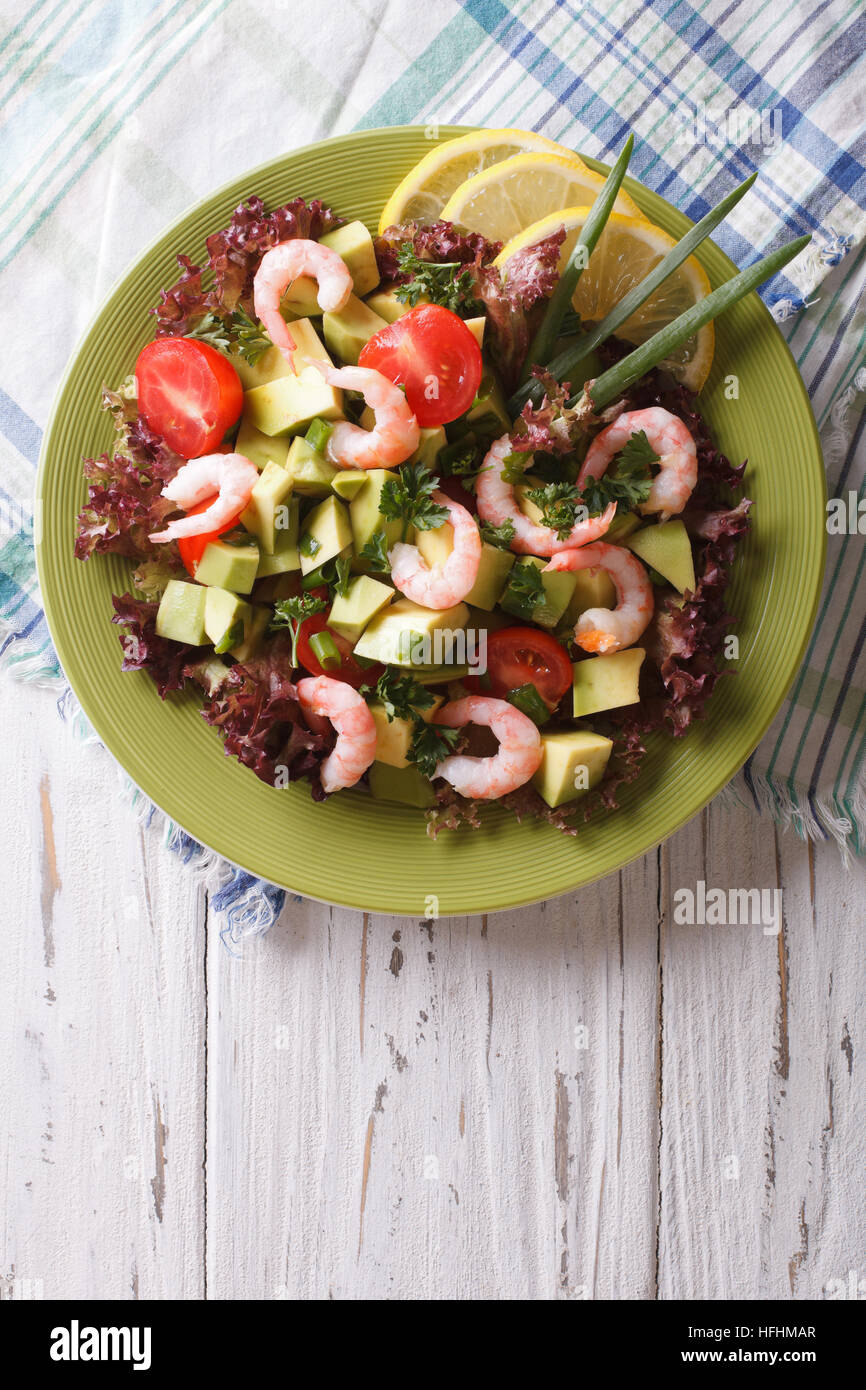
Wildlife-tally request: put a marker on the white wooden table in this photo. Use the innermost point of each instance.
(577, 1100)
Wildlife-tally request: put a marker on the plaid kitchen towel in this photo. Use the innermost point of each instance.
(117, 114)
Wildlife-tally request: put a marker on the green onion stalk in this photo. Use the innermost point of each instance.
(566, 363)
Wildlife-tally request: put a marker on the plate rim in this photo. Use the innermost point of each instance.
(91, 709)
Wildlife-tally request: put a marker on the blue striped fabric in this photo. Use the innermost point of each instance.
(102, 145)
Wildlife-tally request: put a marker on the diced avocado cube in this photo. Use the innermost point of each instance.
(309, 347)
(431, 441)
(623, 524)
(558, 586)
(273, 587)
(347, 331)
(394, 736)
(488, 620)
(488, 413)
(255, 628)
(301, 299)
(476, 328)
(180, 615)
(268, 506)
(572, 763)
(347, 482)
(435, 546)
(225, 618)
(607, 682)
(438, 675)
(228, 566)
(272, 365)
(352, 611)
(290, 404)
(494, 568)
(285, 558)
(327, 531)
(354, 244)
(593, 588)
(666, 548)
(525, 503)
(269, 367)
(365, 514)
(405, 634)
(385, 303)
(260, 449)
(312, 474)
(405, 785)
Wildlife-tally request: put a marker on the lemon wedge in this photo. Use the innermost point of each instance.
(628, 249)
(511, 195)
(422, 194)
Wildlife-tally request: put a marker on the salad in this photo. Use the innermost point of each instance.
(433, 511)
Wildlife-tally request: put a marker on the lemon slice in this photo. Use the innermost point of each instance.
(628, 249)
(511, 195)
(422, 194)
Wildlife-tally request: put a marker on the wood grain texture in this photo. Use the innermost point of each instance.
(581, 1100)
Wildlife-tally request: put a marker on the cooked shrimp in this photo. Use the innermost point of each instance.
(606, 629)
(519, 754)
(285, 263)
(228, 478)
(446, 584)
(497, 504)
(669, 437)
(355, 748)
(396, 433)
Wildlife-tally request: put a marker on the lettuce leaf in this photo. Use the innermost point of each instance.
(257, 712)
(166, 662)
(124, 504)
(233, 259)
(234, 253)
(553, 426)
(124, 489)
(439, 242)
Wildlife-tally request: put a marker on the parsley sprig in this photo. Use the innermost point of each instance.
(430, 744)
(375, 552)
(561, 507)
(238, 331)
(400, 693)
(627, 482)
(404, 698)
(500, 536)
(291, 612)
(514, 466)
(409, 498)
(441, 282)
(525, 589)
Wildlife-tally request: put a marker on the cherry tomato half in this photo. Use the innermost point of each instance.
(432, 353)
(193, 547)
(188, 393)
(521, 656)
(349, 669)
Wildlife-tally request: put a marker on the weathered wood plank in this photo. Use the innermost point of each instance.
(813, 1232)
(102, 1085)
(754, 1183)
(437, 1109)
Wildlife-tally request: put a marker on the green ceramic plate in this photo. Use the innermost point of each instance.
(353, 850)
